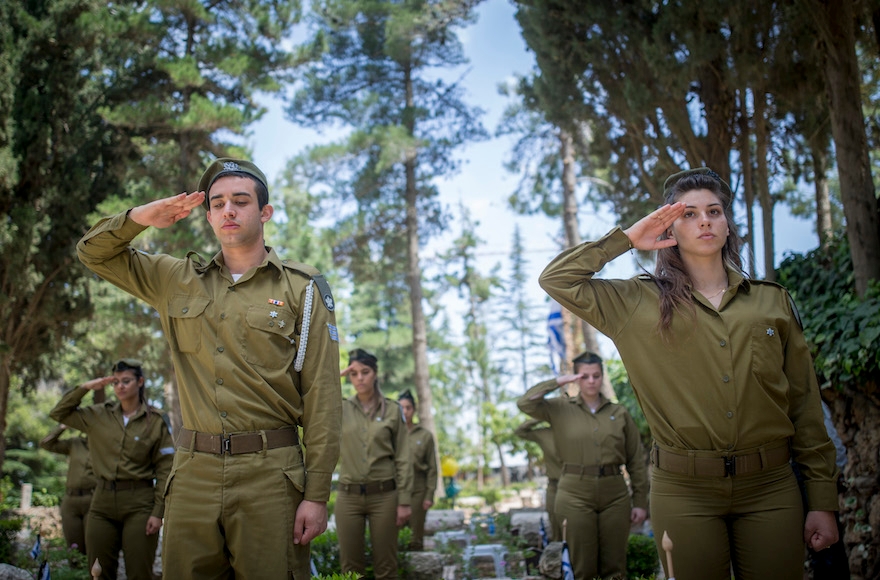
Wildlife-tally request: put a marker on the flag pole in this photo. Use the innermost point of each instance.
(666, 542)
(96, 569)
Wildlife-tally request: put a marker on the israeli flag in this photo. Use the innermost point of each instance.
(544, 539)
(554, 336)
(43, 574)
(567, 570)
(35, 551)
(314, 568)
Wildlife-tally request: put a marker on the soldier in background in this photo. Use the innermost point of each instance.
(79, 486)
(534, 430)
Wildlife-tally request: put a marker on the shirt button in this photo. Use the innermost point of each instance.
(232, 288)
(219, 349)
(223, 414)
(723, 343)
(185, 309)
(223, 316)
(725, 378)
(271, 323)
(219, 381)
(729, 414)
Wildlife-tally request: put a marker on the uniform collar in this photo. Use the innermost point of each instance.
(578, 400)
(217, 261)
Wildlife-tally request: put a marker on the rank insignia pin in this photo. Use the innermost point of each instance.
(274, 302)
(273, 314)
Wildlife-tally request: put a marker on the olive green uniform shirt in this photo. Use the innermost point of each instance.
(79, 468)
(736, 378)
(375, 450)
(143, 449)
(543, 436)
(424, 459)
(607, 437)
(233, 343)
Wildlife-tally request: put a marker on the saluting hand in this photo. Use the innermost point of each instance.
(644, 233)
(565, 379)
(345, 372)
(162, 213)
(98, 384)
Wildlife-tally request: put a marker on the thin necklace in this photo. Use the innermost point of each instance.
(716, 294)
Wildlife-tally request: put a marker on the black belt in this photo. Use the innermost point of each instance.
(368, 488)
(689, 464)
(75, 491)
(127, 484)
(238, 443)
(592, 470)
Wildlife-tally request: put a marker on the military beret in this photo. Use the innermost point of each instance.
(126, 364)
(676, 177)
(227, 165)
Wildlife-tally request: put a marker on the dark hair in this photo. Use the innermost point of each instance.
(587, 358)
(408, 396)
(368, 359)
(259, 188)
(136, 367)
(670, 274)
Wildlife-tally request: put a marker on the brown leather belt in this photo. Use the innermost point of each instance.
(368, 488)
(238, 443)
(592, 470)
(74, 491)
(127, 484)
(691, 464)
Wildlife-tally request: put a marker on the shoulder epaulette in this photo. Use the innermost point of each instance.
(794, 309)
(320, 281)
(196, 258)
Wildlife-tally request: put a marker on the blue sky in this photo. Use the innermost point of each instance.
(497, 53)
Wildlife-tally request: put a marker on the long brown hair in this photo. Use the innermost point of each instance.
(670, 274)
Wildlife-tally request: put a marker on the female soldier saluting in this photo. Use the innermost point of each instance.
(593, 438)
(375, 474)
(722, 371)
(131, 452)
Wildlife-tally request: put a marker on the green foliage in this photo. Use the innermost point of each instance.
(626, 397)
(325, 554)
(8, 530)
(641, 556)
(843, 330)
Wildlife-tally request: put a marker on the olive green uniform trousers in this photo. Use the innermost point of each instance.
(74, 511)
(597, 510)
(352, 512)
(419, 513)
(118, 519)
(555, 528)
(754, 521)
(231, 516)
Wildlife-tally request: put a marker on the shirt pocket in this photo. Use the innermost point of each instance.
(186, 314)
(767, 352)
(269, 339)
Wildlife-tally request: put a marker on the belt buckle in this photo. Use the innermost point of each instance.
(113, 485)
(363, 490)
(601, 471)
(730, 465)
(225, 444)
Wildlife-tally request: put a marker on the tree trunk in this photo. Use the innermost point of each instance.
(573, 238)
(835, 22)
(745, 152)
(5, 375)
(172, 404)
(824, 227)
(505, 473)
(762, 180)
(414, 280)
(857, 419)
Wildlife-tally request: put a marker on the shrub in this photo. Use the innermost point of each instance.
(641, 557)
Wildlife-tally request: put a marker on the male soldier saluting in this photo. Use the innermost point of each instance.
(254, 344)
